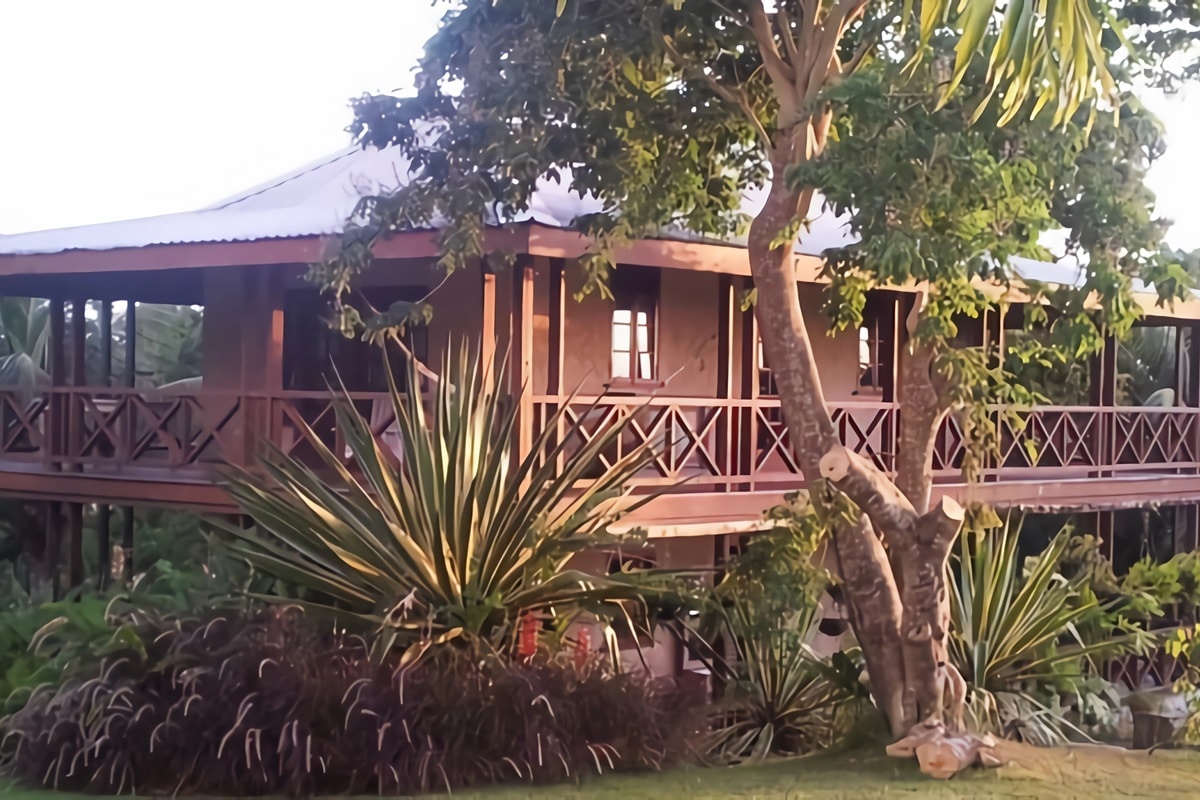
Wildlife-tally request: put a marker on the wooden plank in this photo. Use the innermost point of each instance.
(557, 330)
(487, 343)
(727, 307)
(520, 364)
(75, 431)
(106, 352)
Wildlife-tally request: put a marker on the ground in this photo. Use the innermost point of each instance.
(1058, 773)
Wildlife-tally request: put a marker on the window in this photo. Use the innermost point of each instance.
(869, 362)
(635, 312)
(311, 348)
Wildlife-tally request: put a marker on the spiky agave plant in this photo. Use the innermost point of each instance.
(1023, 634)
(458, 536)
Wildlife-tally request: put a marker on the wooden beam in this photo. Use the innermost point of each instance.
(746, 441)
(78, 378)
(487, 338)
(131, 343)
(58, 377)
(557, 330)
(106, 343)
(520, 364)
(727, 307)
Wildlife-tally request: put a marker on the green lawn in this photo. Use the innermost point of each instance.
(1060, 775)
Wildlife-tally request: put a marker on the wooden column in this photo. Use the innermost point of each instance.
(557, 330)
(556, 345)
(748, 389)
(129, 378)
(78, 379)
(130, 375)
(1102, 389)
(54, 439)
(103, 511)
(520, 357)
(487, 336)
(106, 342)
(727, 308)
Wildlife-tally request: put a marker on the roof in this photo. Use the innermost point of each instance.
(317, 199)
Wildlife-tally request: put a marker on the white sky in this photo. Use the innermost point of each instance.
(129, 108)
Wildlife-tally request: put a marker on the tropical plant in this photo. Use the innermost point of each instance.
(456, 535)
(269, 705)
(669, 113)
(778, 695)
(1023, 634)
(46, 642)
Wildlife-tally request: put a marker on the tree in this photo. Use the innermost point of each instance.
(667, 111)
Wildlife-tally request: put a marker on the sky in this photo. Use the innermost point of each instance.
(130, 108)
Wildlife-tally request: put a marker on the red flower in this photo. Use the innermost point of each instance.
(527, 641)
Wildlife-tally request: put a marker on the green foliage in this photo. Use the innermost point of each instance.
(1023, 634)
(266, 705)
(661, 111)
(460, 538)
(48, 642)
(780, 696)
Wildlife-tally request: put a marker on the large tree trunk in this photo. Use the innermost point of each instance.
(896, 603)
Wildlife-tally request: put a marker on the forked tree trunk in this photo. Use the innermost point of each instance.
(896, 596)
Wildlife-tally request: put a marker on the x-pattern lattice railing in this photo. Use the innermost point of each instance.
(727, 443)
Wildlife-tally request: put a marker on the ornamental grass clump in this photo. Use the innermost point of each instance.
(271, 705)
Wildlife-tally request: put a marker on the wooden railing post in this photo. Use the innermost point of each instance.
(726, 309)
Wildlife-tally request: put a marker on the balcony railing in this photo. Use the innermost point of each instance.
(713, 445)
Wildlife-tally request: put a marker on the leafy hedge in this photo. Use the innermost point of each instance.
(270, 705)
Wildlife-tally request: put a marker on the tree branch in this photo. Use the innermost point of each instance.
(859, 479)
(782, 74)
(735, 98)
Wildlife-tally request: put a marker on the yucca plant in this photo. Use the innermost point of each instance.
(455, 537)
(1022, 634)
(778, 695)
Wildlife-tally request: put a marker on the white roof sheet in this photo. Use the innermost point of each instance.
(316, 200)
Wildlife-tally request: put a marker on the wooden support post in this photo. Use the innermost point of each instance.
(104, 544)
(727, 306)
(520, 357)
(556, 345)
(75, 544)
(127, 540)
(487, 334)
(130, 379)
(748, 389)
(557, 338)
(1102, 389)
(55, 442)
(75, 434)
(131, 344)
(106, 342)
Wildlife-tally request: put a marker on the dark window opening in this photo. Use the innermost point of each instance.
(634, 354)
(316, 356)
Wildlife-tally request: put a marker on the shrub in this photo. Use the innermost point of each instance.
(457, 539)
(1024, 635)
(270, 705)
(779, 696)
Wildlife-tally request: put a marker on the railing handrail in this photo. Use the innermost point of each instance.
(731, 442)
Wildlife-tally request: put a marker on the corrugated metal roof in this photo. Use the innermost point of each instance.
(317, 199)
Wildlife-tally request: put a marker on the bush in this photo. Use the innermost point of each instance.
(460, 538)
(270, 705)
(779, 696)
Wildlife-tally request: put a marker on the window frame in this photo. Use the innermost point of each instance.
(637, 291)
